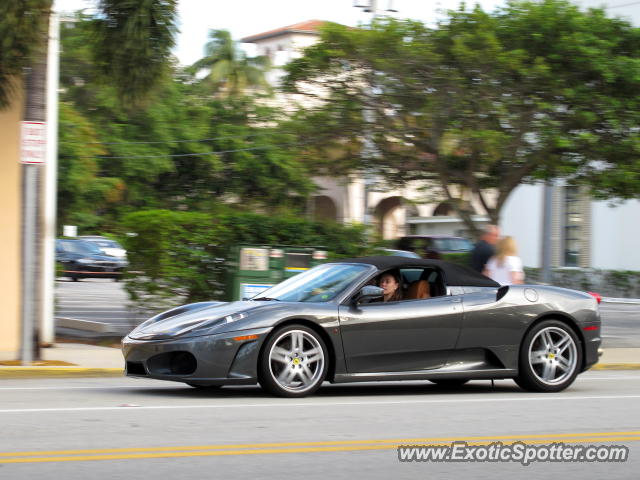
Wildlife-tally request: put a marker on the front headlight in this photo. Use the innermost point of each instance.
(208, 324)
(195, 326)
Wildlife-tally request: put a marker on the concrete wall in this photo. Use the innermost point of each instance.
(10, 230)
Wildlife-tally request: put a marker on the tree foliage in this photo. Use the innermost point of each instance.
(183, 151)
(229, 71)
(22, 23)
(132, 44)
(483, 102)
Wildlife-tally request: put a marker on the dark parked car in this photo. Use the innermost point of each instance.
(441, 246)
(82, 259)
(328, 323)
(108, 246)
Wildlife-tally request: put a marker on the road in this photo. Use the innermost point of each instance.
(105, 301)
(119, 428)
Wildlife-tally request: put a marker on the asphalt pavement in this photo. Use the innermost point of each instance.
(139, 428)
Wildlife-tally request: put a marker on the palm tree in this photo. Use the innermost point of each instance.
(230, 71)
(132, 46)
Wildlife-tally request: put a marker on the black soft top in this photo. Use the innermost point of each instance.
(454, 275)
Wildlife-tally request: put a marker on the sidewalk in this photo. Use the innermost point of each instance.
(69, 360)
(80, 360)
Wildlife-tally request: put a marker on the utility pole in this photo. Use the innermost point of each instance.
(32, 156)
(50, 190)
(39, 178)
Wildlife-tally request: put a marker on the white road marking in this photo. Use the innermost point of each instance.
(168, 387)
(492, 399)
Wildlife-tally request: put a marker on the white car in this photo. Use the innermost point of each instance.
(108, 246)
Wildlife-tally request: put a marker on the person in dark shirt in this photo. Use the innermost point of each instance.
(485, 248)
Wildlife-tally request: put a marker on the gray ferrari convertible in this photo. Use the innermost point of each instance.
(330, 323)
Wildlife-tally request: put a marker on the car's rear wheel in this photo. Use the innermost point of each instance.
(449, 382)
(550, 357)
(293, 362)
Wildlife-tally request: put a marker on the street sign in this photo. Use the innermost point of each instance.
(33, 144)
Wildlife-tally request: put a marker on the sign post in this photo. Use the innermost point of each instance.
(32, 155)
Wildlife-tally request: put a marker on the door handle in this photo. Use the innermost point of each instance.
(456, 300)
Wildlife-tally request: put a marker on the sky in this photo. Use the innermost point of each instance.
(248, 17)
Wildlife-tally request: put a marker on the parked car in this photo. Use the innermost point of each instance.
(435, 246)
(108, 246)
(81, 259)
(321, 325)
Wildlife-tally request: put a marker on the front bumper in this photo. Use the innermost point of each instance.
(207, 360)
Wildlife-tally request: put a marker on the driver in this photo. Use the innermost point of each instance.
(390, 283)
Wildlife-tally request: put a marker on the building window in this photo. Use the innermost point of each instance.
(573, 226)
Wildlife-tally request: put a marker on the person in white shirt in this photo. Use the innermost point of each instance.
(505, 267)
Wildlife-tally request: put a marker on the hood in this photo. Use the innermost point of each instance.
(183, 319)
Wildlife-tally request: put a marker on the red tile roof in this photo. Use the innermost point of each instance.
(308, 27)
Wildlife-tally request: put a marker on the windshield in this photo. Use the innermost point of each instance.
(453, 244)
(107, 243)
(81, 247)
(320, 284)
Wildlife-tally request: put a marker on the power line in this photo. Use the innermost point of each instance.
(264, 147)
(172, 141)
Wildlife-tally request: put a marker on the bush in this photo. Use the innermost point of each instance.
(179, 257)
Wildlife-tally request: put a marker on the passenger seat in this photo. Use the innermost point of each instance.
(418, 289)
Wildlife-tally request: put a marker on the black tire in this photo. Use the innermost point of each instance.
(299, 368)
(74, 278)
(550, 357)
(450, 382)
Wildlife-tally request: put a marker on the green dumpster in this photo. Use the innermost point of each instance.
(255, 268)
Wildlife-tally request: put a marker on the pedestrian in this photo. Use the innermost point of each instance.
(505, 267)
(485, 248)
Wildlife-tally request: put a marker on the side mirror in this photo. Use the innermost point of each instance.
(368, 293)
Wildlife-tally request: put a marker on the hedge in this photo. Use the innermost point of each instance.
(178, 257)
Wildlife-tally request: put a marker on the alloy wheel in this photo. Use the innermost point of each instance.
(297, 361)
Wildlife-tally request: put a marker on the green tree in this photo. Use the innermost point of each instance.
(82, 192)
(184, 151)
(23, 25)
(230, 72)
(481, 103)
(132, 43)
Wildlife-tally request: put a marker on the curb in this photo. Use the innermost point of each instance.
(616, 366)
(58, 372)
(93, 326)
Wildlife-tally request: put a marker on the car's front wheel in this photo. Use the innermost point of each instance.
(550, 357)
(293, 362)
